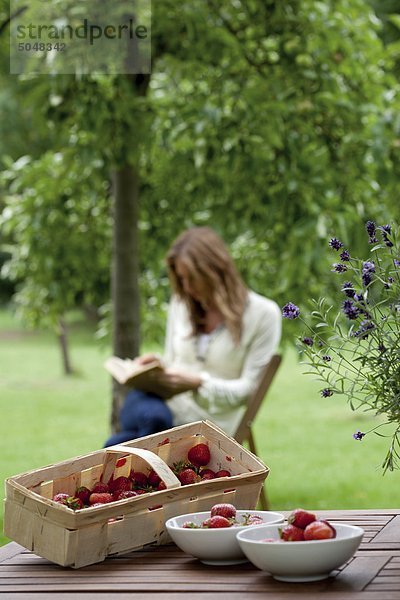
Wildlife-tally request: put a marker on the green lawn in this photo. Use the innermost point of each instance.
(304, 439)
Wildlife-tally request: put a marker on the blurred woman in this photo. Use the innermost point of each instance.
(219, 337)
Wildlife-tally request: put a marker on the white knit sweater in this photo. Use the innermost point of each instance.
(230, 372)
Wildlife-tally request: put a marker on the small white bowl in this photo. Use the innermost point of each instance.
(299, 561)
(214, 546)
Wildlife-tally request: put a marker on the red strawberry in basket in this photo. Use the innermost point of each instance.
(207, 474)
(100, 498)
(301, 518)
(154, 479)
(223, 473)
(100, 487)
(224, 510)
(83, 494)
(188, 476)
(70, 501)
(74, 503)
(121, 484)
(139, 479)
(199, 455)
(61, 498)
(125, 494)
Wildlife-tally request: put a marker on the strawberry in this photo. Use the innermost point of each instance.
(83, 494)
(61, 498)
(121, 484)
(319, 530)
(139, 479)
(100, 487)
(161, 486)
(291, 533)
(331, 526)
(249, 519)
(122, 494)
(301, 518)
(70, 501)
(74, 503)
(218, 521)
(207, 474)
(190, 525)
(224, 510)
(178, 466)
(199, 455)
(223, 473)
(188, 476)
(100, 498)
(153, 479)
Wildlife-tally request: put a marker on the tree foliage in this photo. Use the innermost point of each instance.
(57, 216)
(274, 122)
(276, 133)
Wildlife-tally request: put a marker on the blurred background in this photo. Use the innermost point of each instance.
(276, 123)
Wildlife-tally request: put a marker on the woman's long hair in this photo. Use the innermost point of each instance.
(208, 261)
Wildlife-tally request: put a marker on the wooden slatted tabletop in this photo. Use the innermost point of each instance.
(372, 574)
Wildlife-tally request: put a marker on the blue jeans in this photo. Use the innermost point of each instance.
(141, 414)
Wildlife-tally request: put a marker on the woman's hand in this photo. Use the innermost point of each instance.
(145, 359)
(169, 382)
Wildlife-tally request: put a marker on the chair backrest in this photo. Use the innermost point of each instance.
(244, 429)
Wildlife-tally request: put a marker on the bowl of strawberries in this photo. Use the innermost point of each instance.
(210, 536)
(304, 549)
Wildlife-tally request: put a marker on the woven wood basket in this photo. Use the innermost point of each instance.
(87, 536)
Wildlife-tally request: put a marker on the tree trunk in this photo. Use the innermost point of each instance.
(125, 274)
(63, 340)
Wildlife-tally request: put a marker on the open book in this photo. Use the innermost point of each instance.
(126, 370)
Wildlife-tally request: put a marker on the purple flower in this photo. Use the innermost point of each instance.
(388, 283)
(371, 230)
(367, 278)
(386, 230)
(358, 435)
(307, 341)
(339, 268)
(364, 330)
(326, 392)
(348, 289)
(290, 311)
(350, 310)
(326, 358)
(335, 244)
(345, 256)
(368, 267)
(396, 262)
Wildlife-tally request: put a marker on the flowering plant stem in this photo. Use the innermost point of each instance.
(355, 351)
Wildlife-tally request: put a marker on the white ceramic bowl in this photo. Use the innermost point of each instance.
(214, 546)
(299, 561)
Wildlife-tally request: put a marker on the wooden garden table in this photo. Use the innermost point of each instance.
(168, 573)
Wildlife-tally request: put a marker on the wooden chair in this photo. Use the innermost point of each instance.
(244, 432)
